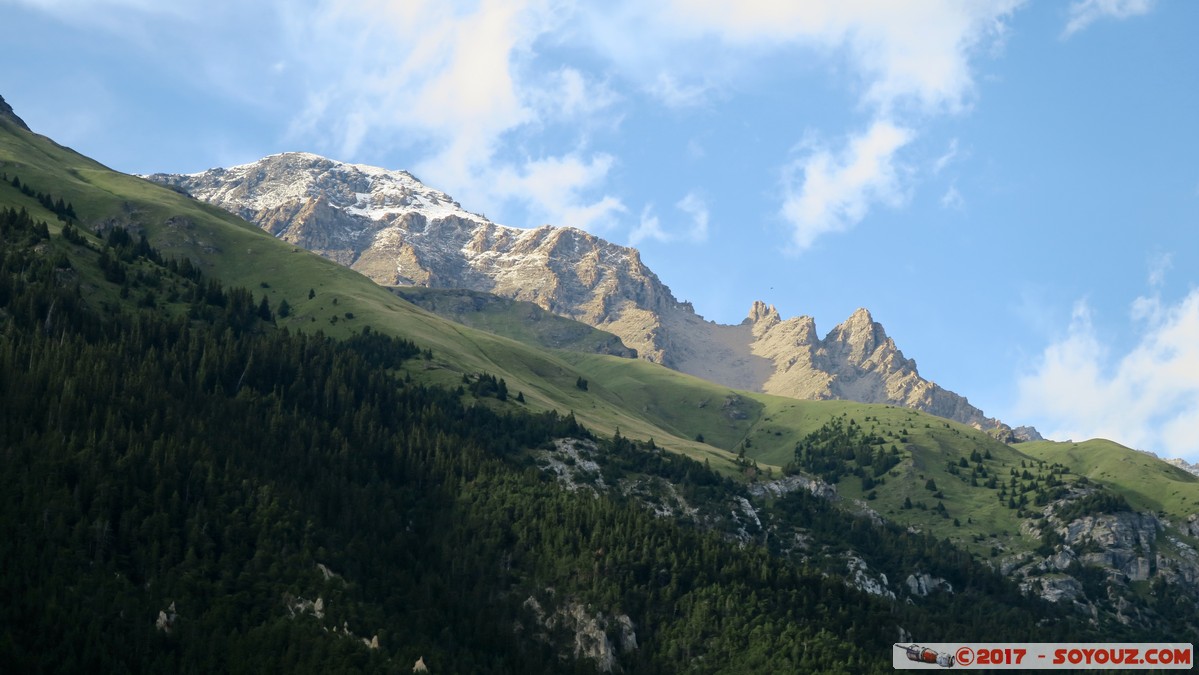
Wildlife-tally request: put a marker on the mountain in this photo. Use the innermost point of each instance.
(6, 111)
(1184, 465)
(205, 481)
(398, 231)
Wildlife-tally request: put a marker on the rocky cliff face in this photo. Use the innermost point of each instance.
(1184, 465)
(857, 361)
(397, 231)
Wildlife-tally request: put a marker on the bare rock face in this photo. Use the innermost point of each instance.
(855, 361)
(398, 231)
(1184, 465)
(596, 636)
(166, 619)
(6, 112)
(1125, 541)
(1053, 588)
(922, 584)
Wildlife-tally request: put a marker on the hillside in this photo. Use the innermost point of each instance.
(200, 488)
(321, 295)
(195, 364)
(398, 231)
(521, 321)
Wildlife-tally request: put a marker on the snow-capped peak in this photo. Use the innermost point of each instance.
(358, 189)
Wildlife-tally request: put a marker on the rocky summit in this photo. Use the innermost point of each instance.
(399, 232)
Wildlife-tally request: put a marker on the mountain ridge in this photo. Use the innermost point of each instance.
(397, 231)
(7, 112)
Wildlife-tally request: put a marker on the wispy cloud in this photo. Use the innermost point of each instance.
(831, 192)
(676, 94)
(454, 82)
(554, 190)
(649, 227)
(950, 154)
(911, 60)
(695, 230)
(695, 206)
(915, 52)
(1159, 265)
(952, 199)
(1147, 398)
(1083, 13)
(466, 89)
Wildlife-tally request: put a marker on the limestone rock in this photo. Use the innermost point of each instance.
(1026, 434)
(923, 583)
(590, 630)
(782, 486)
(1054, 588)
(6, 112)
(166, 617)
(398, 231)
(859, 576)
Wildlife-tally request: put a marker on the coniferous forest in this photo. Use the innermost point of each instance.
(183, 481)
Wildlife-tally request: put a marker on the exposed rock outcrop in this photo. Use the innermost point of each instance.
(859, 576)
(1184, 465)
(788, 484)
(921, 583)
(166, 617)
(6, 112)
(299, 606)
(591, 631)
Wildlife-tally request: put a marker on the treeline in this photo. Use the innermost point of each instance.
(65, 211)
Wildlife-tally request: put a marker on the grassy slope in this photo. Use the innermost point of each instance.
(1148, 483)
(241, 254)
(521, 321)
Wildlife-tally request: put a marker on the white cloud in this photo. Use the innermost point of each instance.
(383, 69)
(918, 51)
(454, 81)
(696, 231)
(1147, 398)
(952, 199)
(554, 188)
(695, 206)
(464, 86)
(831, 193)
(1085, 12)
(951, 153)
(669, 90)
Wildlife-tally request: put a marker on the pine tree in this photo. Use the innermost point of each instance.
(264, 309)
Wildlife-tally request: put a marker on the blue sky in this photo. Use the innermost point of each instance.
(1012, 188)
